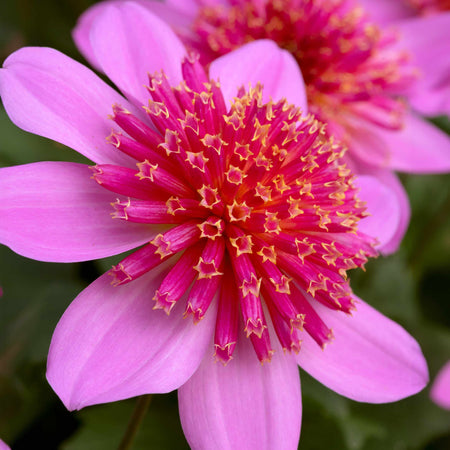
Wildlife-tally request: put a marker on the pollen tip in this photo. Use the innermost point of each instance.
(114, 139)
(255, 327)
(96, 171)
(163, 302)
(295, 347)
(120, 275)
(223, 353)
(197, 314)
(267, 358)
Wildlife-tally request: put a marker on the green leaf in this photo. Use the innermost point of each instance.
(103, 426)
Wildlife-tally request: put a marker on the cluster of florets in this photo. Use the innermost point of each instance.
(252, 202)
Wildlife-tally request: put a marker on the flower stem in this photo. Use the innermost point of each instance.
(142, 404)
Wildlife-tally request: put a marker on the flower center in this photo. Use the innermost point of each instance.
(251, 198)
(349, 66)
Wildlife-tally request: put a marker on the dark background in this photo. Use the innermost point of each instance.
(411, 287)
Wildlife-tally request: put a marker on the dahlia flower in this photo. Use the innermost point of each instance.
(357, 75)
(440, 390)
(247, 222)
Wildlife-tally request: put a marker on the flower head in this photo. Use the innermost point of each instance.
(253, 194)
(245, 218)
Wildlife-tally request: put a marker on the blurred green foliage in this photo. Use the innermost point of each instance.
(411, 287)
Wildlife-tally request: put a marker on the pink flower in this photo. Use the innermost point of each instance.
(422, 26)
(3, 446)
(248, 222)
(440, 390)
(357, 76)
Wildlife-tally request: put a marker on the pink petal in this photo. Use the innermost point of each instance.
(49, 94)
(190, 7)
(243, 405)
(383, 207)
(54, 211)
(372, 359)
(427, 40)
(110, 344)
(431, 100)
(81, 33)
(391, 182)
(419, 147)
(440, 391)
(129, 42)
(3, 446)
(387, 11)
(261, 61)
(82, 30)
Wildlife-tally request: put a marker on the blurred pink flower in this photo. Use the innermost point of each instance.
(357, 76)
(440, 390)
(3, 446)
(422, 27)
(248, 221)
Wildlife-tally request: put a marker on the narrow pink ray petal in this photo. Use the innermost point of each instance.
(383, 207)
(49, 94)
(128, 42)
(372, 359)
(54, 211)
(440, 390)
(243, 405)
(3, 446)
(110, 344)
(261, 61)
(419, 147)
(427, 40)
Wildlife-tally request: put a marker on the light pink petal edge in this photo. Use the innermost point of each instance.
(190, 7)
(383, 207)
(372, 359)
(49, 94)
(440, 390)
(427, 40)
(129, 42)
(392, 182)
(54, 211)
(261, 61)
(243, 405)
(419, 147)
(110, 344)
